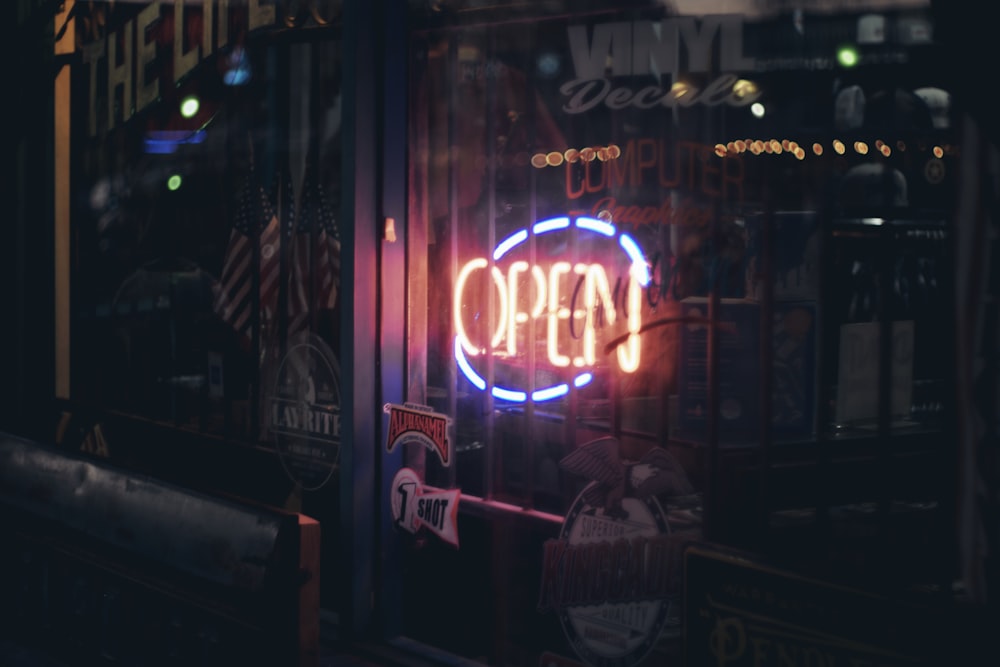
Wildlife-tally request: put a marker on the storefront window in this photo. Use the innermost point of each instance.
(641, 235)
(206, 284)
(672, 274)
(205, 206)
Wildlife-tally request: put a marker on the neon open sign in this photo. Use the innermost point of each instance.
(567, 302)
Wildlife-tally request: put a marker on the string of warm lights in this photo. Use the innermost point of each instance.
(776, 147)
(573, 155)
(740, 146)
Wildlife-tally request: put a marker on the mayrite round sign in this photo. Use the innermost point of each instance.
(304, 414)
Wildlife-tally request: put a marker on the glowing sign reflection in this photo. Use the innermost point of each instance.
(546, 292)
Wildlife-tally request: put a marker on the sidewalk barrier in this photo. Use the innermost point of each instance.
(102, 565)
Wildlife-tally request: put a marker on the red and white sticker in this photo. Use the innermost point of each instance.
(412, 422)
(414, 507)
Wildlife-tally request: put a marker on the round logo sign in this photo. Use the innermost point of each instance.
(304, 414)
(611, 574)
(615, 624)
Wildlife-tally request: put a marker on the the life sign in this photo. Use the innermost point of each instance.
(557, 290)
(163, 42)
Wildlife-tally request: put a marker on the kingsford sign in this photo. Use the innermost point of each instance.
(656, 51)
(561, 283)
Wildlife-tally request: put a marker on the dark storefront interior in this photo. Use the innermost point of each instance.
(559, 333)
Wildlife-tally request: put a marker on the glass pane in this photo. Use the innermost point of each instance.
(206, 191)
(632, 257)
(542, 222)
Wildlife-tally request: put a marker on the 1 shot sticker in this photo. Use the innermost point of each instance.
(414, 508)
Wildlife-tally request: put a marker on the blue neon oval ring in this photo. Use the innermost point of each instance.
(600, 227)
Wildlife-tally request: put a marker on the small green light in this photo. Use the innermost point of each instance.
(174, 182)
(189, 106)
(847, 56)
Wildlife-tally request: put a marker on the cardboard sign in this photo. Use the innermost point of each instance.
(739, 612)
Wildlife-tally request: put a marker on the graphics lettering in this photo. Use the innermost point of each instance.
(610, 574)
(414, 507)
(304, 412)
(412, 422)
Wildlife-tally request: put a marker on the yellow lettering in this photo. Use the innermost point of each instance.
(120, 74)
(183, 62)
(206, 26)
(223, 37)
(146, 92)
